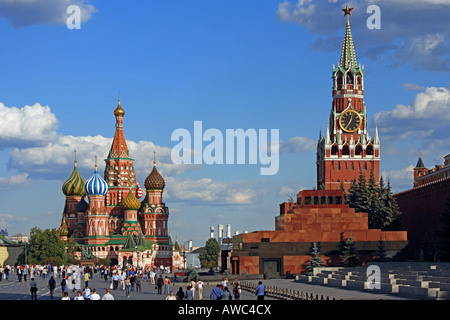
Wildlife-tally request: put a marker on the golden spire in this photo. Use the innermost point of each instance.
(119, 112)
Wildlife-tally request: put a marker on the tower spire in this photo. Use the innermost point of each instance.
(348, 57)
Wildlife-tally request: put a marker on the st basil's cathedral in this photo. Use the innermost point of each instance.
(112, 223)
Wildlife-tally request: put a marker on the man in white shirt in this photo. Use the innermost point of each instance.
(108, 295)
(95, 295)
(200, 289)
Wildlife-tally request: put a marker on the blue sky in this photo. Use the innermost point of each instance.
(235, 64)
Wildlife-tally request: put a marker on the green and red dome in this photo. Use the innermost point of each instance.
(154, 180)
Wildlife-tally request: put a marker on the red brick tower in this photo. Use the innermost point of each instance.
(119, 172)
(347, 147)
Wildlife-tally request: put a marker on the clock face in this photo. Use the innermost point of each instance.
(350, 121)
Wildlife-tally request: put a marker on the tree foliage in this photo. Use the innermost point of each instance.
(316, 260)
(376, 200)
(45, 247)
(349, 254)
(210, 256)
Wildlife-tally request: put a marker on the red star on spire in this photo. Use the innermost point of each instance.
(347, 11)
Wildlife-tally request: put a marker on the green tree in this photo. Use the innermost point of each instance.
(390, 211)
(349, 255)
(210, 256)
(381, 253)
(316, 260)
(45, 247)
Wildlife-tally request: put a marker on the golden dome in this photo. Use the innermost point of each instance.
(119, 112)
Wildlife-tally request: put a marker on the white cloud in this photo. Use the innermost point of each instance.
(400, 178)
(23, 13)
(411, 86)
(411, 31)
(28, 125)
(206, 190)
(14, 182)
(7, 219)
(298, 144)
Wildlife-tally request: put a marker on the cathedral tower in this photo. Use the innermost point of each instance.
(347, 148)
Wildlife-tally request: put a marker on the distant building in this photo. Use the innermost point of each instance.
(9, 251)
(20, 237)
(421, 207)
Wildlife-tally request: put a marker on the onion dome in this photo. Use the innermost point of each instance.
(74, 186)
(119, 112)
(63, 230)
(96, 185)
(82, 206)
(154, 180)
(130, 202)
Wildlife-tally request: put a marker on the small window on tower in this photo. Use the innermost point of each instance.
(351, 167)
(338, 166)
(334, 150)
(365, 166)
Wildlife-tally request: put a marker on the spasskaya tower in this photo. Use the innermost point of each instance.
(347, 149)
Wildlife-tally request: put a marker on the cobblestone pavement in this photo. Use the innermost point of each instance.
(13, 290)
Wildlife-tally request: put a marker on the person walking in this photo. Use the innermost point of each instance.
(127, 286)
(52, 285)
(166, 285)
(33, 289)
(65, 296)
(189, 293)
(237, 291)
(200, 289)
(108, 295)
(115, 280)
(63, 285)
(138, 282)
(87, 293)
(86, 278)
(159, 284)
(260, 291)
(226, 294)
(79, 296)
(216, 293)
(94, 295)
(171, 296)
(180, 294)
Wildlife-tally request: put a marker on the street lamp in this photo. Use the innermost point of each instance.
(184, 253)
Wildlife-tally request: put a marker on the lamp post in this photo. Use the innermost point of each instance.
(184, 253)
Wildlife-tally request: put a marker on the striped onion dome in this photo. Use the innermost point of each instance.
(96, 185)
(130, 202)
(154, 180)
(74, 186)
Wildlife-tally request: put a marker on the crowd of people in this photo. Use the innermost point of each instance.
(220, 292)
(75, 278)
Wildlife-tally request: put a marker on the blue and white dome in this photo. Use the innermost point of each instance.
(96, 185)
